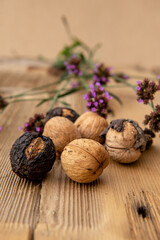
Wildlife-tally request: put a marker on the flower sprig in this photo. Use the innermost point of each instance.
(78, 72)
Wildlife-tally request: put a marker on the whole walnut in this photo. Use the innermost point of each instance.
(62, 112)
(83, 160)
(32, 156)
(124, 140)
(90, 125)
(62, 131)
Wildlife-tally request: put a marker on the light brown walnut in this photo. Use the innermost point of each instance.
(125, 141)
(83, 160)
(90, 125)
(62, 131)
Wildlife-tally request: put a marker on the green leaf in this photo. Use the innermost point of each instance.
(64, 103)
(70, 91)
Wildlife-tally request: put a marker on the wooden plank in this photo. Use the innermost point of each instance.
(19, 198)
(122, 204)
(10, 231)
(111, 206)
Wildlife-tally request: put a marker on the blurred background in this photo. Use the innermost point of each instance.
(128, 30)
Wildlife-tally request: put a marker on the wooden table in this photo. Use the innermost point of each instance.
(124, 203)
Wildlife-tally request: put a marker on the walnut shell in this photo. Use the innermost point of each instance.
(90, 125)
(125, 140)
(83, 160)
(62, 131)
(62, 112)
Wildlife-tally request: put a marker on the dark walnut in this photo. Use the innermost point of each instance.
(90, 125)
(62, 112)
(32, 156)
(125, 140)
(84, 160)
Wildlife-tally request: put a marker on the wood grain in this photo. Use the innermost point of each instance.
(123, 203)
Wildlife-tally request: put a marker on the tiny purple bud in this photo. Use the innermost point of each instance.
(89, 104)
(138, 82)
(19, 128)
(96, 104)
(85, 97)
(75, 71)
(93, 109)
(140, 100)
(138, 88)
(94, 94)
(73, 66)
(101, 88)
(98, 84)
(26, 124)
(38, 129)
(0, 128)
(91, 86)
(110, 98)
(106, 94)
(103, 79)
(101, 101)
(158, 76)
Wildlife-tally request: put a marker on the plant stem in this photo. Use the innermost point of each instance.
(125, 82)
(152, 105)
(25, 93)
(55, 97)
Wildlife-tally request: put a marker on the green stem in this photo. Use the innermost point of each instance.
(31, 90)
(152, 105)
(55, 97)
(125, 82)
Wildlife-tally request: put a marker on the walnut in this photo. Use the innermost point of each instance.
(32, 156)
(83, 160)
(90, 125)
(62, 112)
(61, 131)
(125, 140)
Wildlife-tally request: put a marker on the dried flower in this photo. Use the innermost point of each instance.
(101, 74)
(122, 76)
(73, 65)
(98, 100)
(3, 103)
(153, 119)
(146, 90)
(35, 124)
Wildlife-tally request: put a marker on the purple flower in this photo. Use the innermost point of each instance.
(0, 128)
(97, 100)
(73, 65)
(101, 74)
(19, 128)
(35, 124)
(146, 90)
